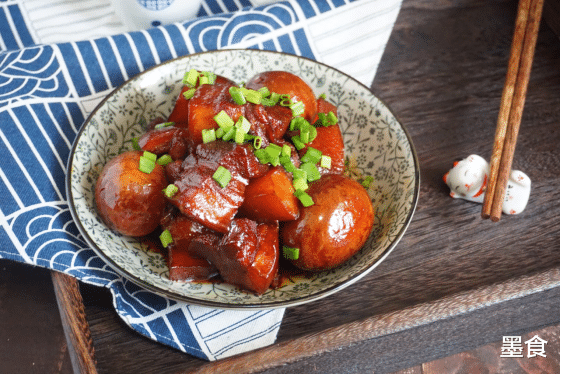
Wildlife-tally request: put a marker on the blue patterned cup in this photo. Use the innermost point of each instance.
(144, 14)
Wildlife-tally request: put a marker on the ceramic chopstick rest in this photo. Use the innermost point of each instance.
(468, 180)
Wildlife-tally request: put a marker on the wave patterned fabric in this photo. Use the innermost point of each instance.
(51, 78)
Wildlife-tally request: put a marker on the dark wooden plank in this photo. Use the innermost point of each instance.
(74, 322)
(32, 340)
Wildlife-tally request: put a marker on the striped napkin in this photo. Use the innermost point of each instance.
(59, 58)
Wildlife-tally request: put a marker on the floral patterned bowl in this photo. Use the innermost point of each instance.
(376, 145)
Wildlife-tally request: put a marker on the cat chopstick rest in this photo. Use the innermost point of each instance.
(468, 180)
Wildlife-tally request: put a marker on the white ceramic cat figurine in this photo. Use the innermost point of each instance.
(468, 180)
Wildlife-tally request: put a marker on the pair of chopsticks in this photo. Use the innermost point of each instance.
(512, 105)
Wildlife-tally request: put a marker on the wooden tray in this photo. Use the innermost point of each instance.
(455, 281)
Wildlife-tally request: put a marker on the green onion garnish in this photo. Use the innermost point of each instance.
(325, 162)
(190, 78)
(273, 152)
(286, 150)
(166, 238)
(367, 181)
(285, 100)
(135, 144)
(312, 155)
(300, 184)
(297, 142)
(251, 96)
(222, 176)
(300, 173)
(170, 190)
(237, 95)
(164, 125)
(261, 155)
(209, 135)
(224, 120)
(286, 162)
(189, 93)
(291, 253)
(209, 78)
(146, 165)
(257, 141)
(297, 108)
(239, 136)
(243, 124)
(264, 92)
(149, 155)
(164, 160)
(229, 134)
(311, 170)
(304, 198)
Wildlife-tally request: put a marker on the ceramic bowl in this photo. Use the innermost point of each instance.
(376, 145)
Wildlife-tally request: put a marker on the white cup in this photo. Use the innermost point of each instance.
(144, 14)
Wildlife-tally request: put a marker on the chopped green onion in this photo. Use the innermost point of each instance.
(222, 176)
(285, 100)
(164, 125)
(298, 142)
(224, 120)
(272, 100)
(257, 141)
(164, 160)
(191, 77)
(305, 135)
(322, 96)
(229, 134)
(261, 155)
(367, 181)
(149, 155)
(312, 155)
(146, 164)
(325, 162)
(300, 184)
(166, 238)
(331, 118)
(274, 152)
(304, 198)
(135, 144)
(298, 123)
(252, 96)
(189, 93)
(237, 95)
(286, 162)
(243, 124)
(209, 135)
(300, 173)
(286, 150)
(170, 190)
(209, 78)
(239, 136)
(292, 253)
(264, 91)
(311, 170)
(297, 108)
(219, 133)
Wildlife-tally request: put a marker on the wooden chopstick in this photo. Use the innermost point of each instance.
(512, 105)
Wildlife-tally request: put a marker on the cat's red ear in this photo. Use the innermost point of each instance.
(456, 163)
(445, 177)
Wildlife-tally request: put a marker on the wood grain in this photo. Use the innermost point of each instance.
(74, 321)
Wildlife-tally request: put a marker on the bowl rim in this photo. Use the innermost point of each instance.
(224, 305)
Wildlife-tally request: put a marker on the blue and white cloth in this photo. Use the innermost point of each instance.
(59, 58)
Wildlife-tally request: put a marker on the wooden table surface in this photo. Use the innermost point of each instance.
(454, 282)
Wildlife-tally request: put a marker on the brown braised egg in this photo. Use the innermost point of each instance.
(130, 201)
(334, 228)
